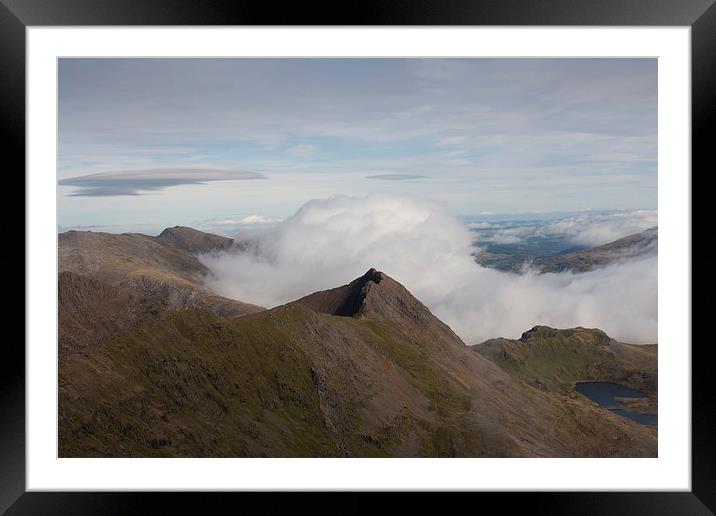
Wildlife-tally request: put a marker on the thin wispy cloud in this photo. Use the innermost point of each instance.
(394, 177)
(135, 182)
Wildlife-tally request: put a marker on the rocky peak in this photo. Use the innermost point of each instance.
(538, 331)
(378, 297)
(347, 300)
(592, 335)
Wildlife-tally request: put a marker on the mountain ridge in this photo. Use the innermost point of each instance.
(362, 370)
(631, 246)
(148, 274)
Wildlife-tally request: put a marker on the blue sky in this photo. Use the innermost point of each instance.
(479, 135)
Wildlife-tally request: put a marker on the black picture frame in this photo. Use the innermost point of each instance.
(17, 15)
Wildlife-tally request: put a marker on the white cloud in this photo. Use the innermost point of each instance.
(505, 238)
(611, 227)
(588, 229)
(247, 220)
(329, 242)
(479, 225)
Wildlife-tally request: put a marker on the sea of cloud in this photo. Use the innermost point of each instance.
(329, 242)
(587, 229)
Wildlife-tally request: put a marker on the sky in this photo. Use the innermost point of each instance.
(176, 141)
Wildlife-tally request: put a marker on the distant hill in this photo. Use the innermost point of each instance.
(554, 360)
(639, 244)
(362, 370)
(111, 283)
(505, 262)
(194, 241)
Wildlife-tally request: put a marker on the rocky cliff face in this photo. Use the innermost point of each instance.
(376, 296)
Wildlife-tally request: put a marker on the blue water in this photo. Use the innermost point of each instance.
(603, 393)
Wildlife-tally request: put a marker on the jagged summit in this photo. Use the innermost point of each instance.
(193, 241)
(378, 297)
(373, 275)
(348, 300)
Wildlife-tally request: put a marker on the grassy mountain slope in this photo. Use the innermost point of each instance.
(193, 241)
(555, 359)
(112, 283)
(362, 370)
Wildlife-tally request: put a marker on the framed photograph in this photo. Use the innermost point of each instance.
(432, 247)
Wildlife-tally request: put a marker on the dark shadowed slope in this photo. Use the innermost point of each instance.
(382, 378)
(347, 301)
(375, 296)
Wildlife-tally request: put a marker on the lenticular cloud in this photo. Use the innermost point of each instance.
(329, 242)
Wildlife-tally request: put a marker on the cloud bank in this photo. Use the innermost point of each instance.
(132, 182)
(588, 229)
(329, 242)
(244, 221)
